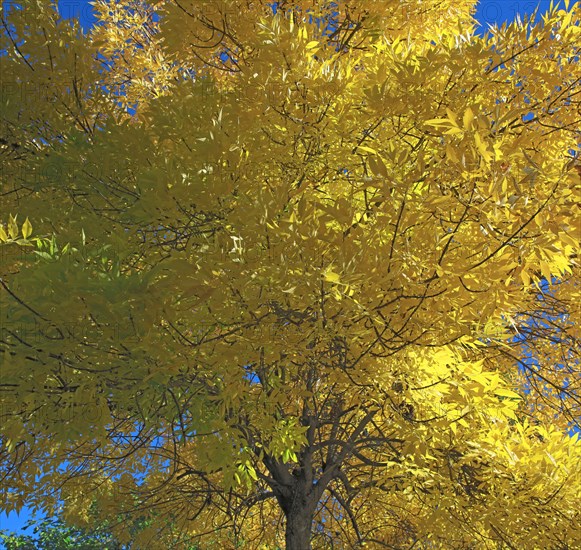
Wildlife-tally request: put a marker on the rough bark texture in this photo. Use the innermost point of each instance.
(298, 529)
(299, 509)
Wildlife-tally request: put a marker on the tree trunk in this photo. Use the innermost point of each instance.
(299, 509)
(299, 520)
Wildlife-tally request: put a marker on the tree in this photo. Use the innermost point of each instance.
(53, 534)
(295, 275)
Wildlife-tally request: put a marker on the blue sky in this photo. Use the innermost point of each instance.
(489, 12)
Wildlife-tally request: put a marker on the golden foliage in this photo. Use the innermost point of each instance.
(326, 256)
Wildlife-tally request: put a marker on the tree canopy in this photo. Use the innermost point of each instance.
(292, 275)
(53, 534)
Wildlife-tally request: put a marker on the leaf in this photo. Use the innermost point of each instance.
(546, 270)
(452, 116)
(26, 229)
(331, 277)
(453, 131)
(468, 118)
(3, 236)
(377, 166)
(290, 290)
(438, 122)
(43, 254)
(367, 149)
(507, 393)
(12, 227)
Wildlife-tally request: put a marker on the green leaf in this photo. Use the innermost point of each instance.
(43, 254)
(252, 473)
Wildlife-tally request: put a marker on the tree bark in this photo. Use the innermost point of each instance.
(299, 520)
(299, 506)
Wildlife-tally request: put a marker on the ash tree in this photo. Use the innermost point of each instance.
(301, 275)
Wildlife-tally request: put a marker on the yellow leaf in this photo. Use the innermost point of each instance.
(525, 277)
(438, 122)
(482, 149)
(450, 153)
(546, 270)
(568, 239)
(332, 277)
(3, 236)
(26, 229)
(452, 116)
(507, 411)
(507, 393)
(377, 166)
(468, 118)
(12, 227)
(452, 131)
(367, 149)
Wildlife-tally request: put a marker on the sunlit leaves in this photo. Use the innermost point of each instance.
(335, 247)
